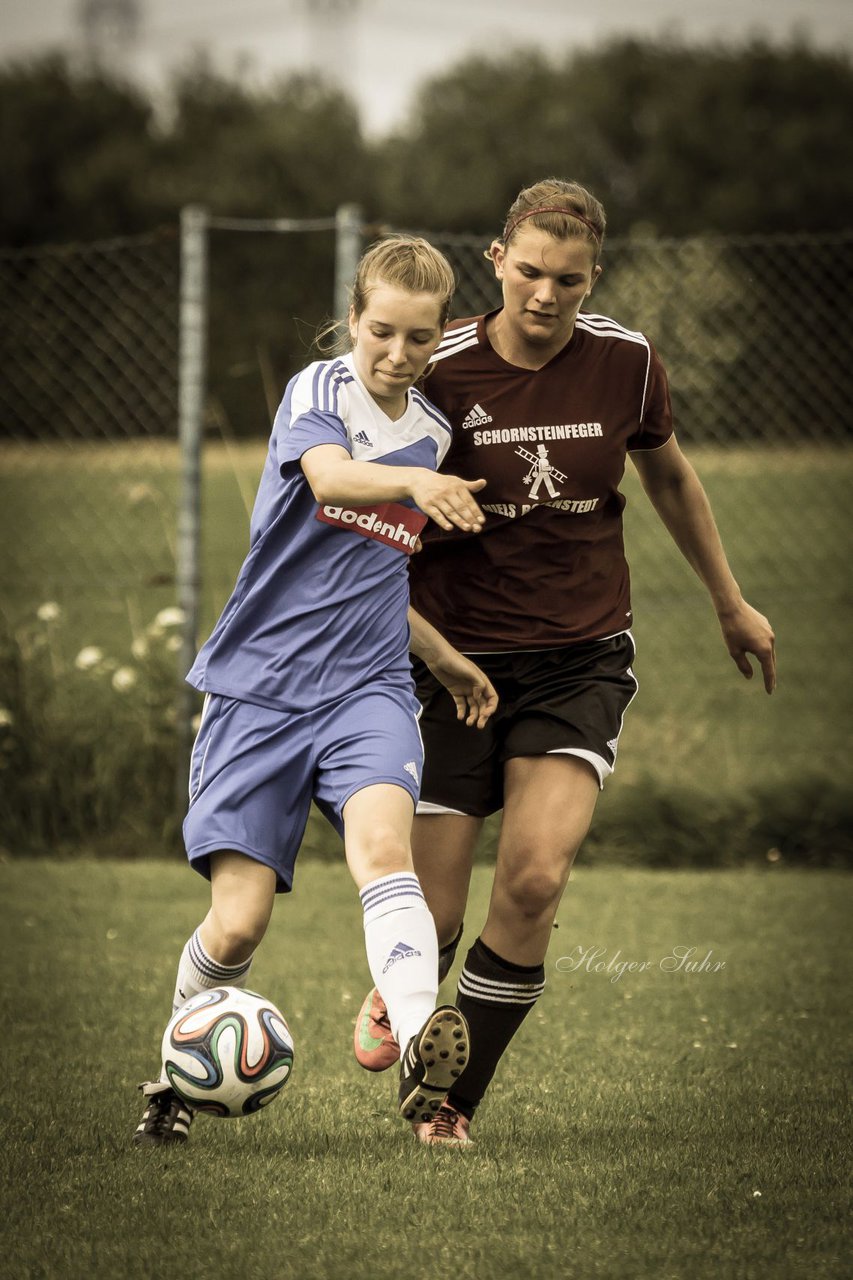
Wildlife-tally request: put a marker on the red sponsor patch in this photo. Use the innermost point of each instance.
(388, 522)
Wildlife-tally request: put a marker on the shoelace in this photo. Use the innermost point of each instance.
(444, 1122)
(163, 1107)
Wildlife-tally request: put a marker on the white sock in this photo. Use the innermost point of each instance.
(402, 950)
(198, 972)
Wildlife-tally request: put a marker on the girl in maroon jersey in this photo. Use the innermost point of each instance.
(547, 402)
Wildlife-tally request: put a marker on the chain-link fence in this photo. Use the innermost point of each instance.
(88, 398)
(757, 337)
(756, 334)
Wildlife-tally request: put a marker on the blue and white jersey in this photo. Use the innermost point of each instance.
(319, 608)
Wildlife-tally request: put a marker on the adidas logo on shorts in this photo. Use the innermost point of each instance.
(476, 417)
(412, 769)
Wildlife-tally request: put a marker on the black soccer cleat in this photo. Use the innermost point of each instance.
(433, 1062)
(167, 1118)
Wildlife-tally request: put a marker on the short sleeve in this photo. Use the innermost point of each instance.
(656, 424)
(310, 429)
(312, 413)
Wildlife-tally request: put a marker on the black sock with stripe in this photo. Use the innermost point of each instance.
(495, 996)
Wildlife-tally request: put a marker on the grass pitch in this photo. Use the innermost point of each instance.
(651, 1122)
(93, 527)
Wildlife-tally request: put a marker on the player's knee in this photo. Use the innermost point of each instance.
(534, 891)
(237, 935)
(381, 852)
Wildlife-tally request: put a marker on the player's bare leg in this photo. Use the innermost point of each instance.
(219, 953)
(401, 945)
(548, 806)
(443, 849)
(241, 902)
(377, 833)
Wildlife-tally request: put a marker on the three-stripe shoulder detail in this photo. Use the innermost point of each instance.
(327, 378)
(605, 327)
(456, 340)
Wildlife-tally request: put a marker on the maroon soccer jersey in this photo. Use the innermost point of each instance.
(549, 567)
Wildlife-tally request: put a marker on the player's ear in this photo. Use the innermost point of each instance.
(496, 253)
(352, 324)
(596, 272)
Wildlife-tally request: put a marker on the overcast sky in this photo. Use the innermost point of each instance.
(382, 48)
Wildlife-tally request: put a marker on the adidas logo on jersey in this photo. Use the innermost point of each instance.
(361, 437)
(402, 951)
(476, 417)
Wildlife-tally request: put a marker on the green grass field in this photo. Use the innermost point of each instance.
(93, 527)
(670, 1125)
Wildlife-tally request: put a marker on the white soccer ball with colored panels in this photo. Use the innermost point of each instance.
(228, 1052)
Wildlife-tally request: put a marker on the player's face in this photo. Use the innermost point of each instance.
(544, 282)
(393, 340)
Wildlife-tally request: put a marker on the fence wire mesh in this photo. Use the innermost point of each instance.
(757, 337)
(756, 334)
(88, 394)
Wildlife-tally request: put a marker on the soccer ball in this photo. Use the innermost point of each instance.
(228, 1052)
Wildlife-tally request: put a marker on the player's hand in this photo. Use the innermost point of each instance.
(448, 500)
(471, 689)
(746, 631)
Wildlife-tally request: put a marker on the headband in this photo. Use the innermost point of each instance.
(547, 208)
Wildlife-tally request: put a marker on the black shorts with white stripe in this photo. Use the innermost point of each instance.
(568, 701)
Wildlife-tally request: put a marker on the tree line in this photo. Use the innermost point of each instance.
(676, 139)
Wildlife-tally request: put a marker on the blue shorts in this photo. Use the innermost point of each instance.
(254, 771)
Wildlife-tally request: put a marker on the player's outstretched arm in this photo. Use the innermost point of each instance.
(335, 477)
(471, 689)
(677, 495)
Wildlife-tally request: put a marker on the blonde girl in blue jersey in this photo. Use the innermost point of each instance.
(308, 686)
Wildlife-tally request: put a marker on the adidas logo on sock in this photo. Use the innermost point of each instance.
(476, 417)
(361, 437)
(402, 951)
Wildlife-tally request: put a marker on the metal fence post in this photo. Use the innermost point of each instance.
(191, 397)
(348, 226)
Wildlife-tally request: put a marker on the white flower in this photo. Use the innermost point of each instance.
(139, 648)
(138, 493)
(48, 612)
(123, 679)
(6, 718)
(172, 617)
(88, 657)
